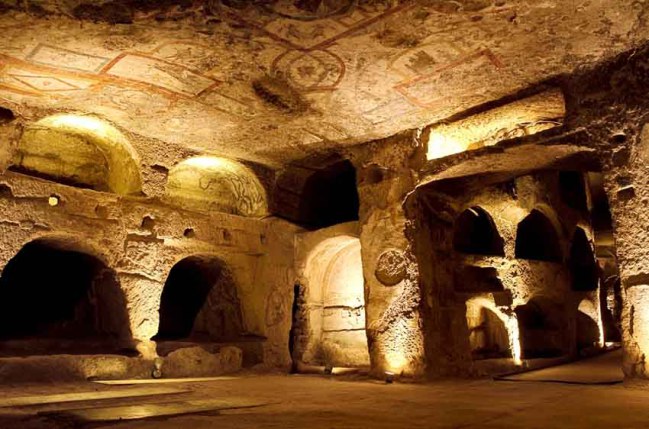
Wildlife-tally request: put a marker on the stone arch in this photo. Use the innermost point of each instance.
(57, 295)
(589, 332)
(582, 262)
(333, 312)
(488, 334)
(475, 233)
(200, 301)
(537, 238)
(79, 150)
(211, 183)
(542, 328)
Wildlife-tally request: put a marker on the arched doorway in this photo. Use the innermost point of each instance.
(537, 239)
(475, 233)
(55, 298)
(200, 302)
(333, 309)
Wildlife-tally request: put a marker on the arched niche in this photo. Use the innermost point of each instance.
(318, 193)
(537, 238)
(582, 263)
(200, 302)
(333, 309)
(475, 233)
(542, 326)
(488, 336)
(209, 183)
(57, 296)
(79, 150)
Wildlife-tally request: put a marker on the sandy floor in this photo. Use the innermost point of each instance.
(319, 402)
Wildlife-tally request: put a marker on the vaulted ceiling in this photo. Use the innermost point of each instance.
(272, 81)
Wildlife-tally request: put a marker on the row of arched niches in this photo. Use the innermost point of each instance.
(475, 233)
(86, 151)
(74, 303)
(541, 322)
(76, 294)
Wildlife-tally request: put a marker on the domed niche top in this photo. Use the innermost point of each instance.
(79, 150)
(209, 183)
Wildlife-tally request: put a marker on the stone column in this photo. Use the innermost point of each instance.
(627, 187)
(392, 293)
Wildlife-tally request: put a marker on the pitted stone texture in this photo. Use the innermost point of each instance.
(391, 267)
(197, 362)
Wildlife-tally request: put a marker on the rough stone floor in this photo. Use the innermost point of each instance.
(318, 402)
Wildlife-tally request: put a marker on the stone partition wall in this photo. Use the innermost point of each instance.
(141, 239)
(465, 295)
(627, 186)
(392, 298)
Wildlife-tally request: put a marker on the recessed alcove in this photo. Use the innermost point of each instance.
(200, 302)
(79, 150)
(58, 297)
(475, 233)
(537, 239)
(318, 194)
(542, 326)
(488, 336)
(331, 313)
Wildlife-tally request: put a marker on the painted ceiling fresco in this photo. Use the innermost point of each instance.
(273, 81)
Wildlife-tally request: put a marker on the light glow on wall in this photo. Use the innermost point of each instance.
(336, 301)
(514, 339)
(82, 148)
(441, 145)
(592, 309)
(212, 183)
(400, 347)
(523, 117)
(509, 320)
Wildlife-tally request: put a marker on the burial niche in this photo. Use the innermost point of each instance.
(200, 302)
(475, 233)
(537, 239)
(488, 337)
(79, 150)
(319, 193)
(542, 326)
(582, 263)
(334, 305)
(55, 298)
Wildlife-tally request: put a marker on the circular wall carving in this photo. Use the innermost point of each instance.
(391, 267)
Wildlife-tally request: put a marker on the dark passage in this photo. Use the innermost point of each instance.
(583, 266)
